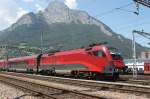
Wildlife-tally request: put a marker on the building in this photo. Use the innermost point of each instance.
(145, 55)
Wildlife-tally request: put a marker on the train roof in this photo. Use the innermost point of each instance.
(22, 58)
(94, 47)
(80, 50)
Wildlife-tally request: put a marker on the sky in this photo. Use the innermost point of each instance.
(117, 14)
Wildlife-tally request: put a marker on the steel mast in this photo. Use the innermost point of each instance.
(144, 34)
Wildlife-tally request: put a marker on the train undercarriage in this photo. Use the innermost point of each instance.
(77, 74)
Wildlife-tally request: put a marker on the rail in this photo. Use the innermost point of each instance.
(50, 89)
(97, 85)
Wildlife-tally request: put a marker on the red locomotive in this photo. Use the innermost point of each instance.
(96, 61)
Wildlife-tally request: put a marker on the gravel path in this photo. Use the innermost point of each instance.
(9, 92)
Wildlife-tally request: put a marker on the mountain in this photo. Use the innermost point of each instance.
(63, 28)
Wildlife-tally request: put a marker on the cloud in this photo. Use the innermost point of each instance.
(71, 3)
(10, 11)
(20, 12)
(39, 7)
(29, 1)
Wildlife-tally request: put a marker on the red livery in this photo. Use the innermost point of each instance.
(95, 61)
(147, 67)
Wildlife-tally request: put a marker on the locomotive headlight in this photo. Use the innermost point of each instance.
(116, 70)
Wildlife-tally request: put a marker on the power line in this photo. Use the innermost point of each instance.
(113, 10)
(125, 10)
(122, 9)
(134, 26)
(143, 2)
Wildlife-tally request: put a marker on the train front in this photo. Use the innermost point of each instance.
(117, 59)
(116, 64)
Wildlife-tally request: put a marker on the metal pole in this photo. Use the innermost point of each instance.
(6, 55)
(41, 42)
(134, 57)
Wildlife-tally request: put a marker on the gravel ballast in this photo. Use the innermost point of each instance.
(9, 92)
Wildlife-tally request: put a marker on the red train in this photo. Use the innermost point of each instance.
(147, 67)
(96, 61)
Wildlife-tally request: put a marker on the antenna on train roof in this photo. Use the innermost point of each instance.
(94, 44)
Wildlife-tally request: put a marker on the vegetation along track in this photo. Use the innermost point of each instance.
(97, 85)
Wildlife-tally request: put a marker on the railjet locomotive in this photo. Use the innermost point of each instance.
(96, 61)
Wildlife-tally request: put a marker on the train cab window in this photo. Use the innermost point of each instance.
(116, 56)
(115, 53)
(99, 53)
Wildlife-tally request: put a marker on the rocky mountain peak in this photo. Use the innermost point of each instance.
(61, 25)
(58, 12)
(55, 5)
(27, 18)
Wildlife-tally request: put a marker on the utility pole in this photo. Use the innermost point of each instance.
(6, 57)
(142, 2)
(144, 34)
(134, 56)
(41, 42)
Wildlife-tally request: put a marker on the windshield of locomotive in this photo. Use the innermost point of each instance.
(115, 53)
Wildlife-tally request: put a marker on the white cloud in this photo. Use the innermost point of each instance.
(39, 7)
(71, 3)
(10, 11)
(29, 1)
(21, 12)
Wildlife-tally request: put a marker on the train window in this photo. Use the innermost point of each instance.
(140, 69)
(116, 56)
(18, 63)
(99, 53)
(115, 53)
(146, 55)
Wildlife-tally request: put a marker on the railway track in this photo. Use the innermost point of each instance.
(49, 90)
(139, 77)
(96, 85)
(140, 82)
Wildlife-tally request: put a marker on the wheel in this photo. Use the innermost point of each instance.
(115, 76)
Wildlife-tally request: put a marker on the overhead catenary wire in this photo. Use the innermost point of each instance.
(121, 8)
(134, 26)
(113, 10)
